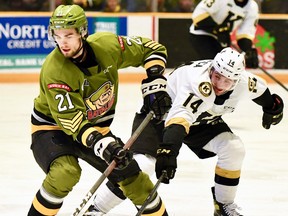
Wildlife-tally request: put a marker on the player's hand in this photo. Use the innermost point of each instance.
(222, 32)
(274, 115)
(224, 39)
(251, 58)
(155, 96)
(166, 160)
(110, 148)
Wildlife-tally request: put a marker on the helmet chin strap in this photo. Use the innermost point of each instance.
(81, 57)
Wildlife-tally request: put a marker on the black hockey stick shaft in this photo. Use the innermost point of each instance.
(112, 165)
(273, 78)
(266, 72)
(151, 194)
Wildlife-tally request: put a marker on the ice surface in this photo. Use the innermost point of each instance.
(263, 188)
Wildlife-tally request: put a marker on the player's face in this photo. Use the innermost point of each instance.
(220, 83)
(69, 42)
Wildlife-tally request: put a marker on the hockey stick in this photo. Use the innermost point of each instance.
(273, 78)
(112, 165)
(151, 194)
(265, 71)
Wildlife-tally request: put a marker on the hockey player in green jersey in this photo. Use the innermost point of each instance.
(76, 105)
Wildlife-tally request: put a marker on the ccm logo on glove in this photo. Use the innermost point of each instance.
(154, 86)
(163, 151)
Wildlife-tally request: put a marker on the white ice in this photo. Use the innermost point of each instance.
(263, 188)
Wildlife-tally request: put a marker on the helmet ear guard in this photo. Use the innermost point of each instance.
(83, 31)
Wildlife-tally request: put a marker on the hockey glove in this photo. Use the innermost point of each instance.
(273, 116)
(155, 96)
(109, 148)
(251, 58)
(222, 33)
(166, 160)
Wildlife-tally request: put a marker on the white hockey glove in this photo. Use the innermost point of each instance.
(109, 148)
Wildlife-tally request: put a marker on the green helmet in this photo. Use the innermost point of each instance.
(67, 17)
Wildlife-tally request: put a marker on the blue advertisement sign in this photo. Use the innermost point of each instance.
(116, 25)
(24, 35)
(24, 40)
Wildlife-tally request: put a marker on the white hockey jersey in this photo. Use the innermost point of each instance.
(194, 99)
(244, 19)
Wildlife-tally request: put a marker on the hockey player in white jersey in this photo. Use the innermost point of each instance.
(214, 20)
(201, 93)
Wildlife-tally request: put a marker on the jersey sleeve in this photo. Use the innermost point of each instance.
(248, 27)
(205, 9)
(253, 85)
(129, 51)
(140, 51)
(206, 17)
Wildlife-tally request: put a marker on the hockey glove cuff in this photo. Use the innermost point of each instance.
(166, 160)
(155, 96)
(109, 148)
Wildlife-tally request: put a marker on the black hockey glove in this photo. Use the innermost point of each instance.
(222, 33)
(251, 58)
(273, 116)
(110, 148)
(155, 96)
(166, 160)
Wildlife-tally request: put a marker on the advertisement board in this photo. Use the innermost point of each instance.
(24, 40)
(270, 41)
(25, 45)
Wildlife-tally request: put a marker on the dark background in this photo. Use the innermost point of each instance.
(174, 34)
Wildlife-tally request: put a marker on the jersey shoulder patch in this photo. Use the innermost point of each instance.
(205, 88)
(59, 86)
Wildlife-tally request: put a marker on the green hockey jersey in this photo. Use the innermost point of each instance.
(74, 99)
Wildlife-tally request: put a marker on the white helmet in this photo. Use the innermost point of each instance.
(229, 63)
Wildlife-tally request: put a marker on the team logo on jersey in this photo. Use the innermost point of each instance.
(252, 84)
(107, 69)
(101, 101)
(205, 88)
